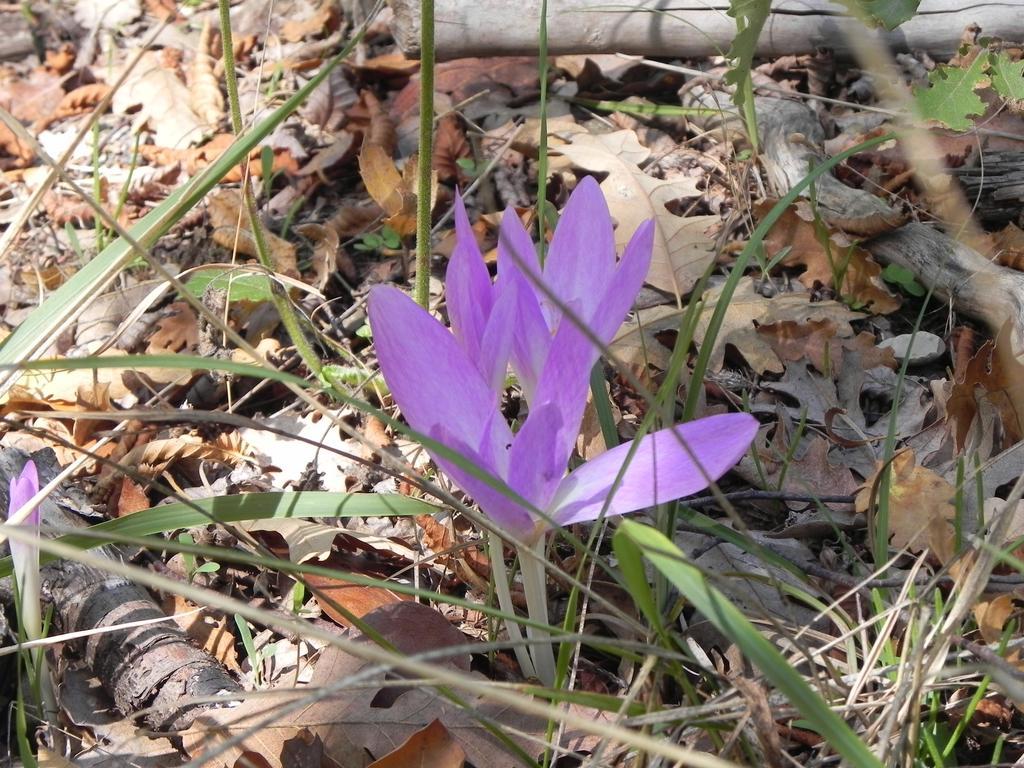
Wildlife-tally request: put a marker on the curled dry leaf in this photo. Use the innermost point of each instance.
(177, 330)
(206, 98)
(393, 191)
(81, 100)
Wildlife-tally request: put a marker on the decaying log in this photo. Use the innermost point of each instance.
(681, 29)
(152, 666)
(995, 187)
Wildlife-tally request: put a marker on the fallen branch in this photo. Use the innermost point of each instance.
(153, 667)
(683, 30)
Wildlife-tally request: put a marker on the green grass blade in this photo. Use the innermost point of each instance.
(719, 610)
(248, 506)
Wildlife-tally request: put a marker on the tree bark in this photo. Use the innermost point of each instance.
(684, 28)
(152, 667)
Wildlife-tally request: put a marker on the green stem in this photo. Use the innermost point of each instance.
(289, 316)
(531, 565)
(426, 154)
(542, 146)
(504, 595)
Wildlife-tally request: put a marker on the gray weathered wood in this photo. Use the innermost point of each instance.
(684, 28)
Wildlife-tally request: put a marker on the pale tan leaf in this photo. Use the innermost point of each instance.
(163, 103)
(683, 247)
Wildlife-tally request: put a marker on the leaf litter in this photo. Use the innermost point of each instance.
(807, 346)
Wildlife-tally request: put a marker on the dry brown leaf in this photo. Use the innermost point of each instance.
(637, 342)
(819, 342)
(55, 387)
(207, 101)
(862, 280)
(195, 159)
(231, 231)
(131, 498)
(81, 100)
(431, 746)
(354, 720)
(321, 22)
(450, 146)
(157, 98)
(305, 539)
(393, 191)
(995, 374)
(683, 246)
(920, 510)
(328, 255)
(177, 330)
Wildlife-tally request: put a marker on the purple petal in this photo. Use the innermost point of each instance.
(429, 374)
(23, 488)
(494, 503)
(665, 466)
(621, 290)
(581, 258)
(496, 342)
(535, 466)
(565, 381)
(469, 293)
(532, 339)
(517, 255)
(24, 555)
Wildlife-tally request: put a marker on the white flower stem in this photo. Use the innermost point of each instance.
(501, 589)
(531, 564)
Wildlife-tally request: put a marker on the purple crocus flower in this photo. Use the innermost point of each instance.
(25, 555)
(551, 323)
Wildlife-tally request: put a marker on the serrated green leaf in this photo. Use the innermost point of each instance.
(1008, 77)
(884, 13)
(750, 17)
(950, 97)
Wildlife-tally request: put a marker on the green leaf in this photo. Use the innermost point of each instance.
(763, 656)
(240, 286)
(885, 13)
(904, 278)
(950, 97)
(247, 506)
(750, 17)
(1008, 77)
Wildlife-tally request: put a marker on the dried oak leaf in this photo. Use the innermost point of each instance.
(921, 514)
(321, 22)
(684, 247)
(432, 745)
(826, 255)
(177, 331)
(993, 373)
(637, 342)
(820, 343)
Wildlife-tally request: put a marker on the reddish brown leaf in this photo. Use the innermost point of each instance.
(430, 746)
